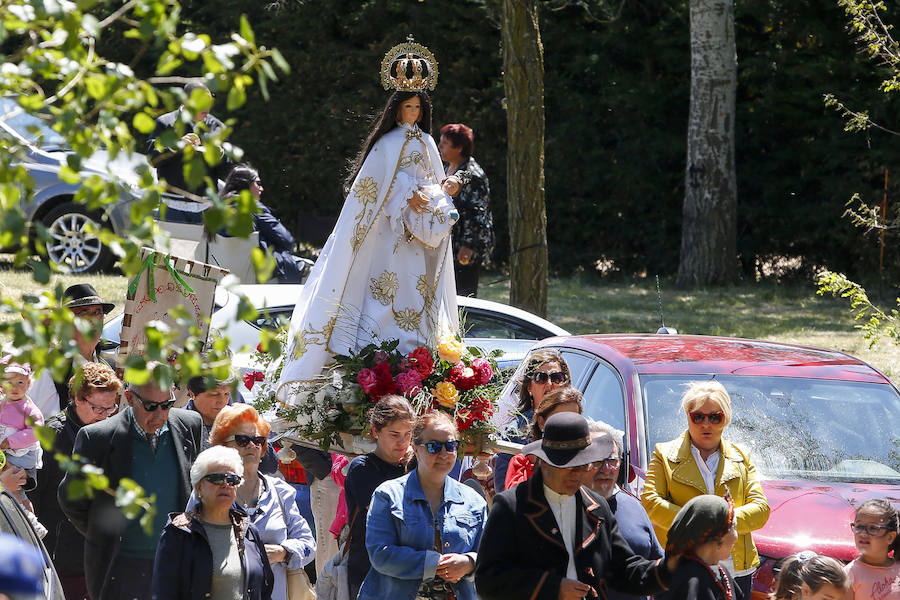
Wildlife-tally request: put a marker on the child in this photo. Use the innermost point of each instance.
(875, 575)
(787, 585)
(17, 439)
(808, 576)
(704, 531)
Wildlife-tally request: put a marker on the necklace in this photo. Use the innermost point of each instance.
(722, 581)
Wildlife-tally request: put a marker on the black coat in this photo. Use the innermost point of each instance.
(183, 567)
(274, 236)
(697, 582)
(169, 163)
(522, 554)
(107, 444)
(64, 543)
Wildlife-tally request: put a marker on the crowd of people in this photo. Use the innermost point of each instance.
(562, 525)
(556, 522)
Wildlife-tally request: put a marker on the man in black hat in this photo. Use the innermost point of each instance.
(552, 538)
(82, 299)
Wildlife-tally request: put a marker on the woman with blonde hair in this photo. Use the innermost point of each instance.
(701, 461)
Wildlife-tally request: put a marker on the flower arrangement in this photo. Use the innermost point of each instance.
(451, 377)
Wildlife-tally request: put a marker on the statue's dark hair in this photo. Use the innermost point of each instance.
(386, 122)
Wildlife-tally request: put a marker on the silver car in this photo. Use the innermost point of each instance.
(74, 248)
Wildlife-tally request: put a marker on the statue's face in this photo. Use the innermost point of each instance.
(410, 110)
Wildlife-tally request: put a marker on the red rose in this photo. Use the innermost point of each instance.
(367, 380)
(251, 377)
(462, 377)
(483, 370)
(421, 360)
(384, 381)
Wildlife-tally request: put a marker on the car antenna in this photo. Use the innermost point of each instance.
(663, 329)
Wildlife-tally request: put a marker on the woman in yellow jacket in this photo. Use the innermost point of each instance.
(700, 461)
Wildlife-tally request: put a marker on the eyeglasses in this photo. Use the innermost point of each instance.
(714, 418)
(152, 406)
(873, 530)
(435, 447)
(583, 468)
(229, 479)
(86, 312)
(610, 463)
(557, 377)
(245, 440)
(102, 411)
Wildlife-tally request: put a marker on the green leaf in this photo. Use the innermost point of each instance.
(69, 176)
(247, 31)
(236, 98)
(245, 310)
(279, 61)
(45, 435)
(143, 122)
(41, 270)
(96, 87)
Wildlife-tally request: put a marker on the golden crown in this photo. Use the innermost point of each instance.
(409, 67)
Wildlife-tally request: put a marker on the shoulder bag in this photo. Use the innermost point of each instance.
(298, 585)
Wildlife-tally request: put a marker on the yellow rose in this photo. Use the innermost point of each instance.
(450, 349)
(446, 394)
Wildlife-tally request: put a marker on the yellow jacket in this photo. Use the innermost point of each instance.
(674, 478)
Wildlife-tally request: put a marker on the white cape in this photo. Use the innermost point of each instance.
(386, 271)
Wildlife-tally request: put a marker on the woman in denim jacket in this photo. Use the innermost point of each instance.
(423, 529)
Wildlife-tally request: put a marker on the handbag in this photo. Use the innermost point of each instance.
(298, 585)
(333, 582)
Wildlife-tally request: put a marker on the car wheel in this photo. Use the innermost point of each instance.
(71, 247)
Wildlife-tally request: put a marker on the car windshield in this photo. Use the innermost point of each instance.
(30, 127)
(795, 428)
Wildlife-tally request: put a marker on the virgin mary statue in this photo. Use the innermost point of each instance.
(386, 270)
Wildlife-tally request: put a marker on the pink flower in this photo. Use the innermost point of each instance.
(409, 383)
(483, 370)
(462, 377)
(367, 380)
(421, 360)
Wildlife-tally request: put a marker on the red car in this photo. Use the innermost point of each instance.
(822, 427)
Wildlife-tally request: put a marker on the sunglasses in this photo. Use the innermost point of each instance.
(152, 406)
(229, 479)
(713, 418)
(583, 468)
(435, 447)
(873, 530)
(245, 440)
(557, 377)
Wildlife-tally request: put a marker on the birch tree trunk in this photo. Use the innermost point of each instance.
(523, 76)
(709, 226)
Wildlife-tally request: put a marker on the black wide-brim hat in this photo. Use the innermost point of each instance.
(84, 294)
(567, 442)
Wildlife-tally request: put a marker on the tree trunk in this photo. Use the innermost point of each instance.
(523, 76)
(709, 227)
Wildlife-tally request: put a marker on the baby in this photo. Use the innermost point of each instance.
(17, 439)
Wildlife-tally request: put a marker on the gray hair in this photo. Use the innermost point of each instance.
(617, 435)
(216, 455)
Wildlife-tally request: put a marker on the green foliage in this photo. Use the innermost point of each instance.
(53, 63)
(874, 322)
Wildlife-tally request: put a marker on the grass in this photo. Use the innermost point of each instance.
(777, 312)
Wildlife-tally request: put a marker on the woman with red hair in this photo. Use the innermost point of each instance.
(473, 234)
(270, 502)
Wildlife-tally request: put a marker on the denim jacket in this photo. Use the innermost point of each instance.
(400, 536)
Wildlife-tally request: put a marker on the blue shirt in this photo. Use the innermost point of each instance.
(635, 527)
(400, 536)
